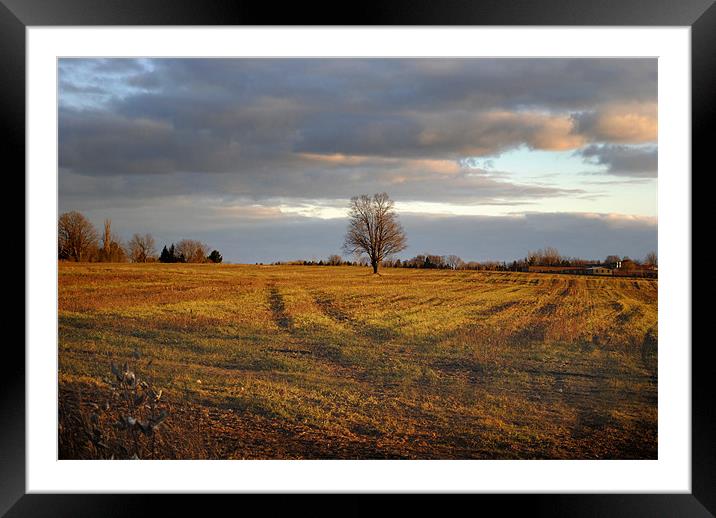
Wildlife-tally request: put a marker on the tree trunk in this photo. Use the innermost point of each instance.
(375, 267)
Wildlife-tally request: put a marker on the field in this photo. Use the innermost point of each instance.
(300, 362)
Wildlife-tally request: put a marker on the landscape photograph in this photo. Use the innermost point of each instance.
(357, 258)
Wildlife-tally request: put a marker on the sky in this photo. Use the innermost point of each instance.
(485, 158)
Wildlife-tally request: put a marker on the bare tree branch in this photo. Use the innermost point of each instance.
(141, 248)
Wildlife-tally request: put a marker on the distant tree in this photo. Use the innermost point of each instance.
(164, 256)
(548, 256)
(392, 263)
(651, 259)
(551, 256)
(141, 248)
(107, 239)
(334, 260)
(112, 250)
(215, 257)
(374, 229)
(627, 263)
(169, 255)
(453, 262)
(416, 262)
(434, 261)
(192, 251)
(76, 237)
(117, 252)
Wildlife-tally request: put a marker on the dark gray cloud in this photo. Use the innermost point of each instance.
(637, 161)
(303, 186)
(218, 115)
(98, 143)
(419, 84)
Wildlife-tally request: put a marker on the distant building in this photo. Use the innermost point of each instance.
(637, 272)
(599, 270)
(555, 269)
(628, 269)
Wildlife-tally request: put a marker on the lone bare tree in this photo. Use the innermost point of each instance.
(76, 237)
(141, 248)
(374, 229)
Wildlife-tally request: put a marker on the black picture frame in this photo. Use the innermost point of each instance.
(700, 15)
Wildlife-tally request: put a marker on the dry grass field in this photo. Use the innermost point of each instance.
(301, 362)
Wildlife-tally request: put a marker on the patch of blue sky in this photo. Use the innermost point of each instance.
(601, 192)
(523, 161)
(635, 199)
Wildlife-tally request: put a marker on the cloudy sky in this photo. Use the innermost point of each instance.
(486, 158)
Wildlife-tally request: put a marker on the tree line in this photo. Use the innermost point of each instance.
(78, 240)
(454, 262)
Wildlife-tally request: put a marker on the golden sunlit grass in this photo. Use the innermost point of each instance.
(334, 362)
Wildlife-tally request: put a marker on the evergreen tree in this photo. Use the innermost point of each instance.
(164, 257)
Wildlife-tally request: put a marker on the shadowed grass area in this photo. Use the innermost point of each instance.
(334, 362)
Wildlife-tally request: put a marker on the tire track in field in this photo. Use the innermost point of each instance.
(278, 309)
(284, 322)
(297, 343)
(329, 308)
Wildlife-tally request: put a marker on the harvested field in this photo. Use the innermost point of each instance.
(297, 362)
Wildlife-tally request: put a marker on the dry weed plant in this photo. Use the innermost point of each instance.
(126, 424)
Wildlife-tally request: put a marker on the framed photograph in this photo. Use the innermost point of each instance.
(440, 250)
